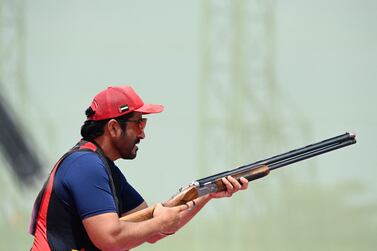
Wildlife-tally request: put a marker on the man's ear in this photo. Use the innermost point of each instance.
(113, 128)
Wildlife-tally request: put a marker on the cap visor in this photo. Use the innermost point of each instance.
(150, 108)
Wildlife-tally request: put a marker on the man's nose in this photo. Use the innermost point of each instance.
(142, 134)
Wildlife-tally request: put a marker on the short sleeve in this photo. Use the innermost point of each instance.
(88, 184)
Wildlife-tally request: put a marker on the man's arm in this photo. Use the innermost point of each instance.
(107, 232)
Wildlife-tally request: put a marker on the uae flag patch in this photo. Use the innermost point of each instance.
(123, 108)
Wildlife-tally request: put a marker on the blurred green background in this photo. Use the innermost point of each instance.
(240, 81)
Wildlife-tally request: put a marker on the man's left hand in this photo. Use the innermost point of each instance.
(232, 186)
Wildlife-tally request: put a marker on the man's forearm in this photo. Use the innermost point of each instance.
(109, 233)
(136, 234)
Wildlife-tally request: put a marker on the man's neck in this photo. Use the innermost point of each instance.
(106, 148)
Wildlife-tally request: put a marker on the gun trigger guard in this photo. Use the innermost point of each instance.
(193, 206)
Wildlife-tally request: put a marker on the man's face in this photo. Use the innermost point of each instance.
(131, 135)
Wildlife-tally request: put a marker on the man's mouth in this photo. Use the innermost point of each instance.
(136, 147)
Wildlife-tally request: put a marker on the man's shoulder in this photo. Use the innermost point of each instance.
(81, 161)
(83, 156)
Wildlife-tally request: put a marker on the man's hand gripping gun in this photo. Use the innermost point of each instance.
(251, 172)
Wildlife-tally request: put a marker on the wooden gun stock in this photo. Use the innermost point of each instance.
(142, 215)
(188, 194)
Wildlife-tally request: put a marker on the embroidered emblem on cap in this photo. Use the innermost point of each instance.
(123, 108)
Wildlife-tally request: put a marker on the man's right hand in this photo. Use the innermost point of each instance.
(170, 217)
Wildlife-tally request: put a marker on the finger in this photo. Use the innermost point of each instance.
(235, 183)
(245, 183)
(228, 185)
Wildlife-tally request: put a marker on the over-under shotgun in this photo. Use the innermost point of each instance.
(251, 172)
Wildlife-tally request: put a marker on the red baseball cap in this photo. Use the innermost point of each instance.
(116, 101)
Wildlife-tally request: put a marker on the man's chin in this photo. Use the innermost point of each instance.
(129, 156)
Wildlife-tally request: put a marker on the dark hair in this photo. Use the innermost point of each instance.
(92, 129)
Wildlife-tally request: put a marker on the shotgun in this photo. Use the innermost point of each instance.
(251, 172)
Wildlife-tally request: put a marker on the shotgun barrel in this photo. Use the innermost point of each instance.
(289, 157)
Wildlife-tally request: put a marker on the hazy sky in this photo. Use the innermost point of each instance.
(325, 66)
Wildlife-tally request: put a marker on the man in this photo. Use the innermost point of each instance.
(85, 195)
